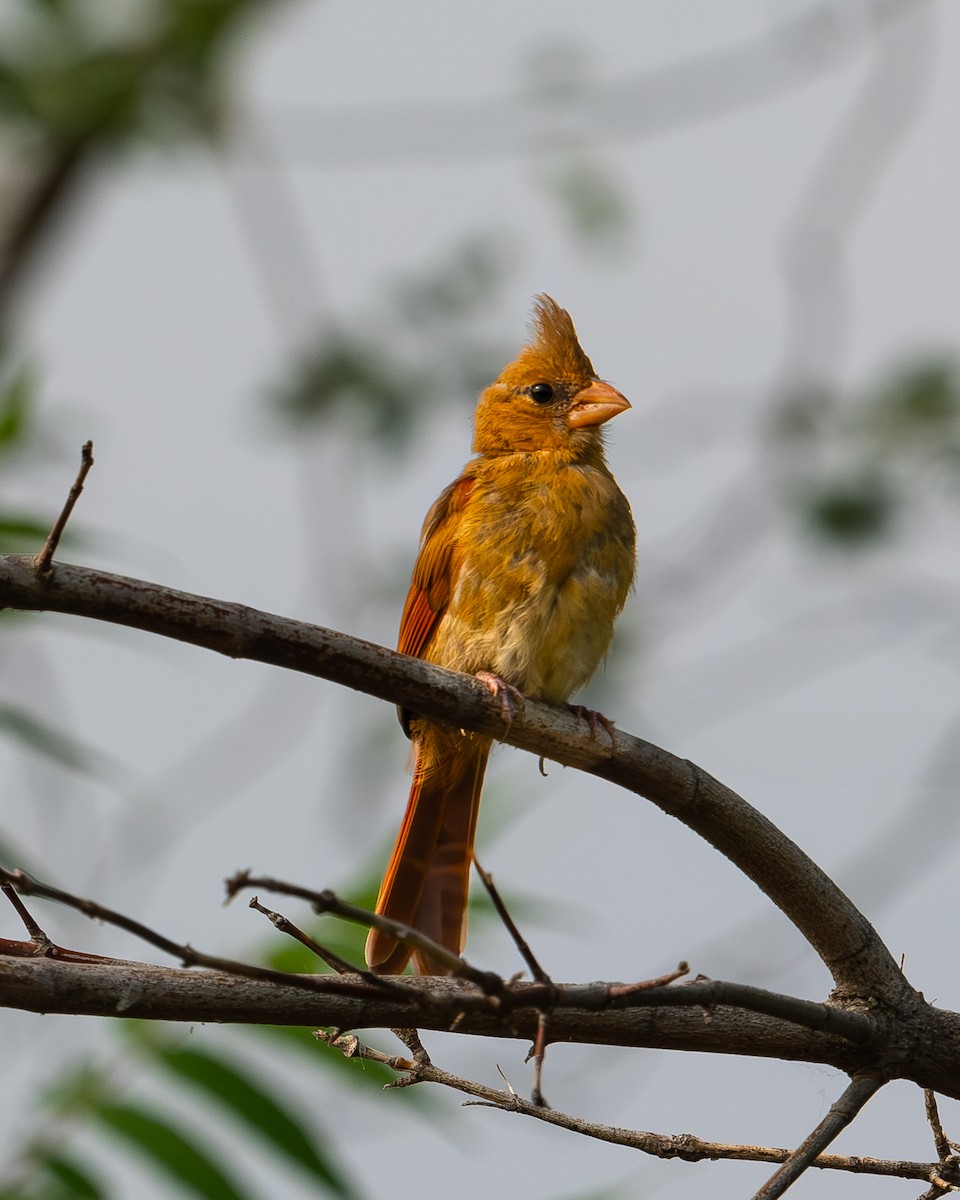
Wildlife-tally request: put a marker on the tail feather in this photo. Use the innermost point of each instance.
(427, 879)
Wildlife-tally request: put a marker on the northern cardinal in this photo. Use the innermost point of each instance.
(525, 561)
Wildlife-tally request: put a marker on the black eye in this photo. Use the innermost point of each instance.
(541, 393)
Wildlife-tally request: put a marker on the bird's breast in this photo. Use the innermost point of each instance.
(545, 565)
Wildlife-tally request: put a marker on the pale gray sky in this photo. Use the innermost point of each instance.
(819, 687)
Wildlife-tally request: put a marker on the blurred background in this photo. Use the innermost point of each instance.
(265, 255)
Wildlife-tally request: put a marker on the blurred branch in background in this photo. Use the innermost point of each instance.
(77, 85)
(564, 101)
(843, 465)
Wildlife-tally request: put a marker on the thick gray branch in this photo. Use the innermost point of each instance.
(926, 1050)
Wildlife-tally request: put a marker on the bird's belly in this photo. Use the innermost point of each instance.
(545, 638)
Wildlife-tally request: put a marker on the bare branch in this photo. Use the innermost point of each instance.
(327, 901)
(916, 1041)
(708, 993)
(684, 1146)
(636, 105)
(284, 925)
(539, 1048)
(186, 954)
(841, 1113)
(523, 948)
(114, 988)
(37, 935)
(841, 935)
(947, 1178)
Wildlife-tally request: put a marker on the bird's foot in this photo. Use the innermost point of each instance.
(507, 696)
(595, 720)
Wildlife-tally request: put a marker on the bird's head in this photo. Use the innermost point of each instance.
(549, 397)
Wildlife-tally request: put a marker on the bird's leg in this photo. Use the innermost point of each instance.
(594, 720)
(507, 696)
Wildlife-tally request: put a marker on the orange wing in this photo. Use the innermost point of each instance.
(434, 570)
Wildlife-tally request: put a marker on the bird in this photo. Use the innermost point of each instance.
(525, 562)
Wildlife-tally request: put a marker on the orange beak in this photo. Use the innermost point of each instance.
(596, 403)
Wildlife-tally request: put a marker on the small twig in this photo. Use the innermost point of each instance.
(185, 953)
(350, 1046)
(624, 991)
(327, 901)
(421, 1059)
(823, 1018)
(938, 1188)
(539, 1048)
(28, 886)
(685, 1146)
(538, 973)
(40, 945)
(411, 1039)
(841, 1113)
(37, 935)
(538, 1054)
(44, 560)
(334, 961)
(946, 1152)
(592, 997)
(285, 925)
(944, 1147)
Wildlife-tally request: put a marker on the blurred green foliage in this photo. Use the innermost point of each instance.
(158, 1133)
(19, 531)
(859, 463)
(76, 80)
(421, 350)
(72, 73)
(35, 733)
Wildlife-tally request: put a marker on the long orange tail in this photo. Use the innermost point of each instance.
(428, 876)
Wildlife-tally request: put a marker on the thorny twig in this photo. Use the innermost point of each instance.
(539, 1048)
(326, 901)
(187, 955)
(334, 961)
(682, 1146)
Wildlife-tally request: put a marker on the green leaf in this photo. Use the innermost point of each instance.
(590, 199)
(852, 512)
(72, 1179)
(249, 1100)
(455, 291)
(14, 101)
(353, 378)
(77, 1091)
(43, 738)
(16, 400)
(921, 400)
(170, 1150)
(20, 533)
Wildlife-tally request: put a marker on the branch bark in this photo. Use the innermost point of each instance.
(914, 1040)
(845, 940)
(160, 993)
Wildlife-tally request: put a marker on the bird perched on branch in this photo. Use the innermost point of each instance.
(525, 561)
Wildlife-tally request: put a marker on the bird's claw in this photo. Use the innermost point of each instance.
(507, 696)
(595, 720)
